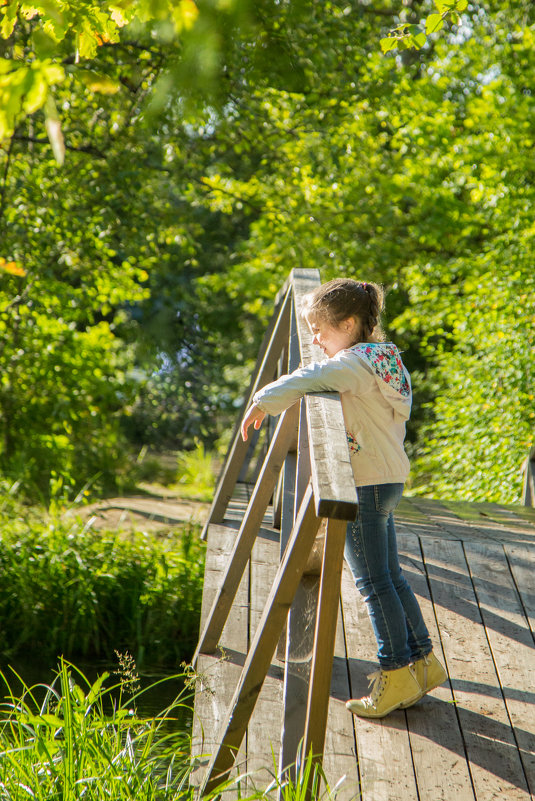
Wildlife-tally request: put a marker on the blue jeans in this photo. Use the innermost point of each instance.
(372, 554)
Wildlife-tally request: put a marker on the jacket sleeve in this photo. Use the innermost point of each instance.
(344, 372)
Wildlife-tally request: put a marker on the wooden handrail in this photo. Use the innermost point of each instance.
(321, 482)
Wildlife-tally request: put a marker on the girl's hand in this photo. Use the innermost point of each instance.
(253, 415)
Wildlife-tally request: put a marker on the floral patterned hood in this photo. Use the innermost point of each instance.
(390, 372)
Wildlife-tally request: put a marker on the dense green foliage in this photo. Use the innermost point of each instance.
(136, 278)
(88, 593)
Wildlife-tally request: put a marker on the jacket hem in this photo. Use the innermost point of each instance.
(371, 481)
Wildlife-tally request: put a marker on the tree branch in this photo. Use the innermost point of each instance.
(92, 151)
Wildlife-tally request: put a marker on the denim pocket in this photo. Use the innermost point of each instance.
(387, 497)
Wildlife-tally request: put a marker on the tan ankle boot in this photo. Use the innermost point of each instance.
(391, 689)
(429, 674)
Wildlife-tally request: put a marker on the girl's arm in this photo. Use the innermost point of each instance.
(343, 372)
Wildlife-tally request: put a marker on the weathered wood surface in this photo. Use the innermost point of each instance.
(285, 433)
(332, 476)
(274, 341)
(473, 739)
(263, 644)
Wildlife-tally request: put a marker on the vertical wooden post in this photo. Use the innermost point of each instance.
(528, 490)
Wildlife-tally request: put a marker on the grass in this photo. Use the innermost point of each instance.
(75, 740)
(89, 593)
(196, 473)
(190, 474)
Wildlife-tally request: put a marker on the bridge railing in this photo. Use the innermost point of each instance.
(307, 471)
(528, 471)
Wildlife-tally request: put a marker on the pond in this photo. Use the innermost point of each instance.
(159, 687)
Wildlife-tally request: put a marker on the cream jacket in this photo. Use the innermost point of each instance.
(376, 396)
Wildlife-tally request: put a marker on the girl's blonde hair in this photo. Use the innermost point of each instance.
(342, 298)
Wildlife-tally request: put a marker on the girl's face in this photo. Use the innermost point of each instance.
(332, 339)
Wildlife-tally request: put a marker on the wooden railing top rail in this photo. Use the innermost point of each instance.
(332, 476)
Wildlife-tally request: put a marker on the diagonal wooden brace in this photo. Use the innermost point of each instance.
(264, 643)
(285, 435)
(239, 448)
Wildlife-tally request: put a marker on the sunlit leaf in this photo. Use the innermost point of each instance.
(433, 23)
(388, 43)
(9, 13)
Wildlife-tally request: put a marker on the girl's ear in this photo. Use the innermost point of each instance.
(353, 328)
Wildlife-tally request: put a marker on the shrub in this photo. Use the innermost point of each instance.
(69, 590)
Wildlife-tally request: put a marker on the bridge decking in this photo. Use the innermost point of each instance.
(472, 567)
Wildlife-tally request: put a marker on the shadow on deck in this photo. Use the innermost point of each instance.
(472, 567)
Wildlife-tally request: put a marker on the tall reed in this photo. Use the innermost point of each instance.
(77, 740)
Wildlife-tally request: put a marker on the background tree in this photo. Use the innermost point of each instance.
(183, 204)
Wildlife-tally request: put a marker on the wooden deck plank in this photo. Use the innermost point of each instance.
(494, 521)
(465, 522)
(526, 513)
(340, 760)
(435, 737)
(477, 745)
(495, 767)
(517, 515)
(383, 748)
(511, 642)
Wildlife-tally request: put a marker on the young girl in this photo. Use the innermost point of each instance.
(375, 390)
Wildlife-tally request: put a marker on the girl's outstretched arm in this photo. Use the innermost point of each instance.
(253, 415)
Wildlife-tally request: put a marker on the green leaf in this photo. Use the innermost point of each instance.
(96, 688)
(388, 43)
(86, 44)
(53, 130)
(417, 35)
(36, 92)
(433, 23)
(44, 45)
(10, 17)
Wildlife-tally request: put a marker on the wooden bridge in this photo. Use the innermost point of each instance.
(286, 640)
